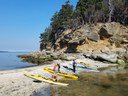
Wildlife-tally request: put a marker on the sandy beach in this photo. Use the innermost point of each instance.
(14, 83)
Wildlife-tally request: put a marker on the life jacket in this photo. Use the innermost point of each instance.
(55, 66)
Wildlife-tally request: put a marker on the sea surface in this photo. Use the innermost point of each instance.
(9, 60)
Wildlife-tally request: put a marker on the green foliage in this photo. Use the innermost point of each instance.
(36, 59)
(45, 35)
(60, 20)
(121, 62)
(90, 10)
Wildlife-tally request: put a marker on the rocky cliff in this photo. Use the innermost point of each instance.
(94, 38)
(99, 37)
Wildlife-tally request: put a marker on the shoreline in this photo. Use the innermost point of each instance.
(19, 68)
(14, 83)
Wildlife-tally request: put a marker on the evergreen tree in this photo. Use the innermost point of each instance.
(44, 37)
(88, 10)
(55, 24)
(61, 20)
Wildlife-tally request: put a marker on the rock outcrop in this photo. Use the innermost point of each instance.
(102, 37)
(102, 41)
(113, 34)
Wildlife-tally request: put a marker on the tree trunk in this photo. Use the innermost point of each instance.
(111, 9)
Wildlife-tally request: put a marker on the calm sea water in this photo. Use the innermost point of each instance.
(9, 60)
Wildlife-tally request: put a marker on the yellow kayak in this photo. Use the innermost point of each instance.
(40, 78)
(62, 74)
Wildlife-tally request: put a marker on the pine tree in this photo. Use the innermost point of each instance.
(60, 20)
(88, 10)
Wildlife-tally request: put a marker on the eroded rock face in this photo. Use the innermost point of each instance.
(102, 37)
(70, 40)
(72, 47)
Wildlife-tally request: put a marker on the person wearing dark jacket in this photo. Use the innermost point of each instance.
(74, 64)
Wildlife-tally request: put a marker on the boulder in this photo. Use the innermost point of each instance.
(104, 33)
(93, 36)
(111, 57)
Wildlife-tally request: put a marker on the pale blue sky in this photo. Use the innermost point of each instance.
(22, 21)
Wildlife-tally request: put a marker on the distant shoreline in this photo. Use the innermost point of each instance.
(15, 51)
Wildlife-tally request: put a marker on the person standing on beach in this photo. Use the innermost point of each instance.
(56, 69)
(74, 66)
